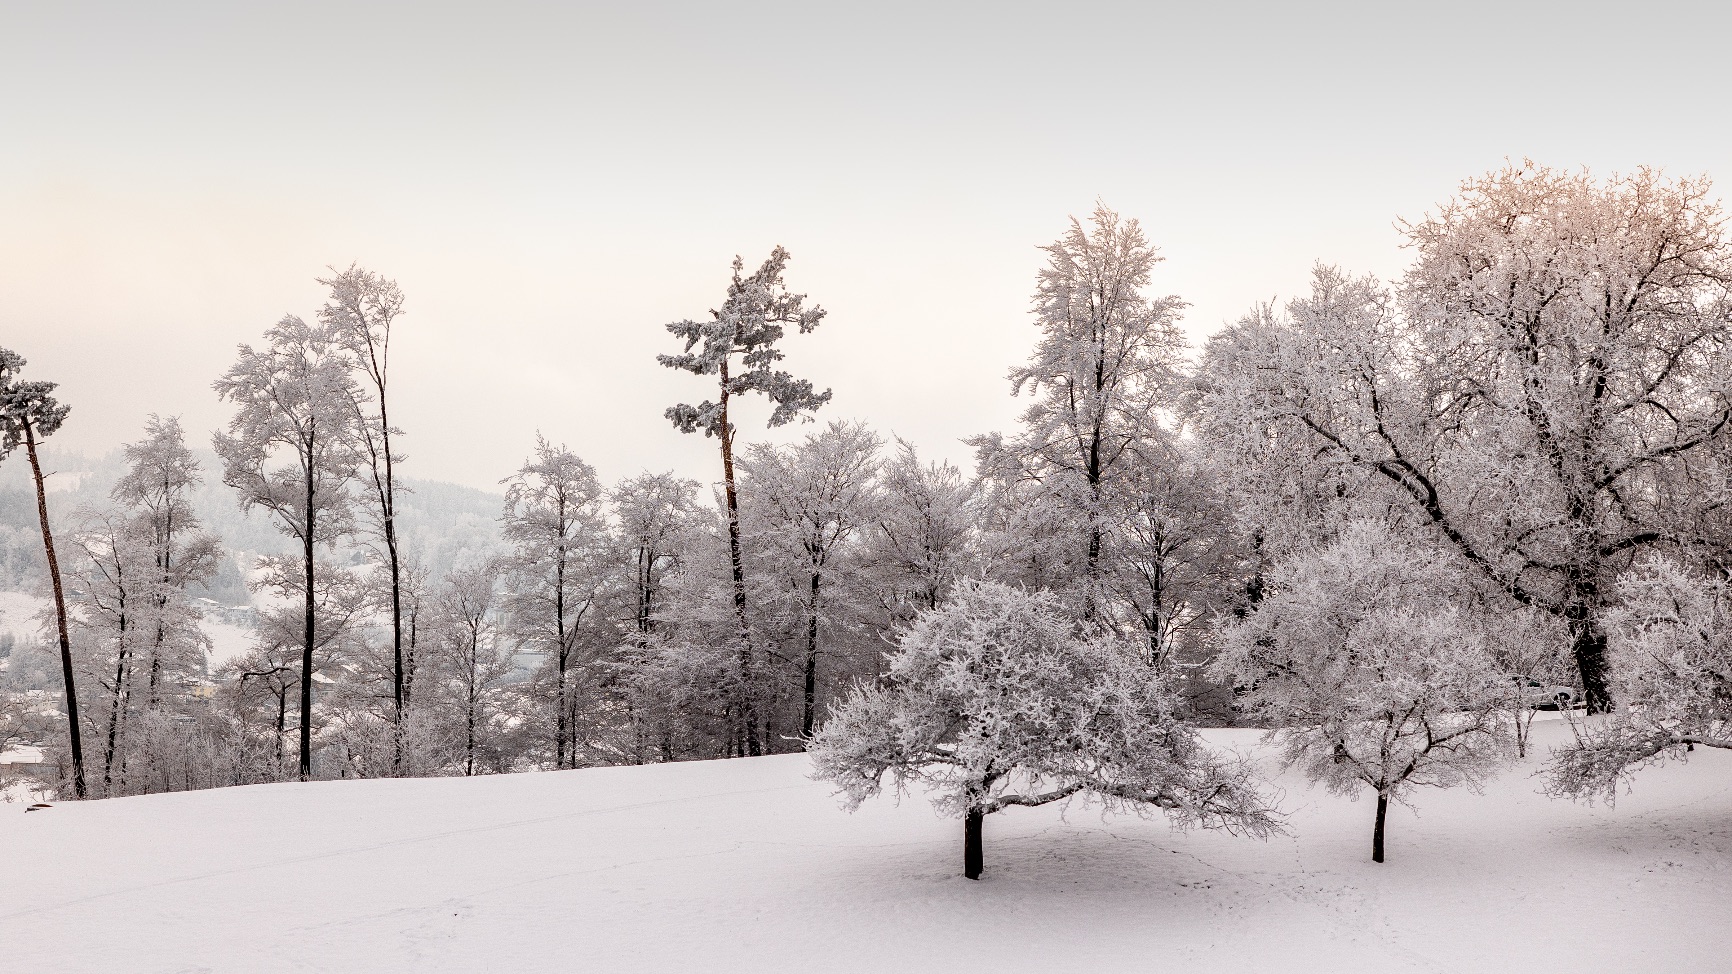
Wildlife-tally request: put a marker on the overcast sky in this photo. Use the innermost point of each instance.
(550, 186)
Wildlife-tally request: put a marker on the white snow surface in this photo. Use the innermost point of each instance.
(748, 866)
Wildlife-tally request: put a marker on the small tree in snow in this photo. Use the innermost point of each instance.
(1672, 649)
(995, 701)
(1370, 673)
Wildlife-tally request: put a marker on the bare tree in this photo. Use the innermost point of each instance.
(360, 312)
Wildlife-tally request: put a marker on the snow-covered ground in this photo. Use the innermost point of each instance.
(747, 866)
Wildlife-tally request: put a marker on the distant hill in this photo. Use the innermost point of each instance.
(445, 525)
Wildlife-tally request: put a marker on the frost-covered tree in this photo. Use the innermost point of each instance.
(556, 532)
(654, 514)
(473, 664)
(1106, 358)
(810, 502)
(295, 400)
(1671, 640)
(29, 413)
(360, 312)
(110, 576)
(996, 700)
(752, 319)
(1549, 378)
(921, 541)
(1171, 555)
(140, 639)
(1370, 673)
(346, 736)
(157, 492)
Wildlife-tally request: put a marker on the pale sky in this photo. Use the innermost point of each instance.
(550, 185)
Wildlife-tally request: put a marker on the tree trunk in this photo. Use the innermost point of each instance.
(1377, 830)
(748, 710)
(1588, 646)
(282, 721)
(164, 557)
(74, 739)
(116, 708)
(388, 512)
(469, 743)
(811, 700)
(559, 721)
(306, 761)
(973, 854)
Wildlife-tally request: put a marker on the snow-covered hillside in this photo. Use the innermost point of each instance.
(747, 865)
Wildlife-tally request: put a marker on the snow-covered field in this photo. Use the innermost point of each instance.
(746, 865)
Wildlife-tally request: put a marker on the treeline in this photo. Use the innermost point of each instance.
(1377, 517)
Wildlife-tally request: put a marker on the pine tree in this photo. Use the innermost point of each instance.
(29, 414)
(752, 319)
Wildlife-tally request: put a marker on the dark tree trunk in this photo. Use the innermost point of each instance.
(811, 699)
(116, 708)
(74, 739)
(1588, 646)
(310, 608)
(748, 709)
(564, 649)
(388, 511)
(473, 701)
(282, 723)
(973, 853)
(1377, 830)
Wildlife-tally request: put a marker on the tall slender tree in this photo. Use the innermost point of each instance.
(753, 318)
(296, 399)
(28, 414)
(556, 530)
(361, 310)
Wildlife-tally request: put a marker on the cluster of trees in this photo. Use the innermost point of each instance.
(1368, 519)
